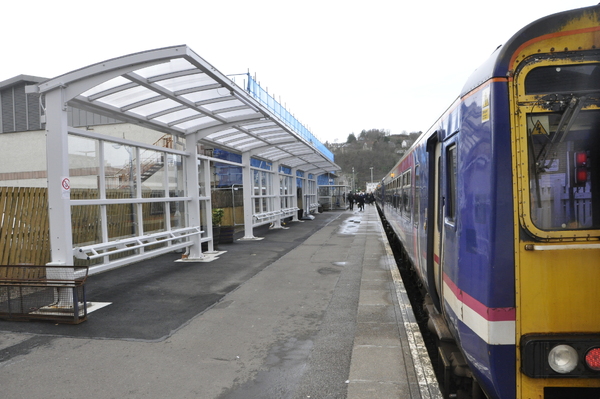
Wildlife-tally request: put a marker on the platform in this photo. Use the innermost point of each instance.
(317, 310)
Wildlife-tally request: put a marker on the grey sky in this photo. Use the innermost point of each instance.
(339, 66)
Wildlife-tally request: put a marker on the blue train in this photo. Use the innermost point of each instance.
(497, 209)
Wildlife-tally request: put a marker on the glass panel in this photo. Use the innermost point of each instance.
(223, 104)
(256, 179)
(563, 79)
(263, 183)
(201, 183)
(176, 178)
(222, 133)
(174, 116)
(233, 114)
(257, 203)
(86, 224)
(203, 206)
(119, 170)
(155, 107)
(265, 130)
(564, 178)
(187, 82)
(233, 137)
(174, 65)
(246, 140)
(121, 221)
(273, 136)
(178, 214)
(263, 125)
(153, 215)
(207, 95)
(129, 96)
(152, 171)
(118, 81)
(84, 167)
(195, 123)
(452, 175)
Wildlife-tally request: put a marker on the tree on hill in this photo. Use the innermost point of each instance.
(373, 148)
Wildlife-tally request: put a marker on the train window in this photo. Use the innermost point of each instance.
(564, 180)
(563, 79)
(417, 196)
(451, 167)
(406, 186)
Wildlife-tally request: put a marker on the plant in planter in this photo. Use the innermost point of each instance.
(217, 216)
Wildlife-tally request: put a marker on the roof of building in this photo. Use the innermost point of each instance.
(20, 79)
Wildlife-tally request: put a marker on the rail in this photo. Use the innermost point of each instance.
(264, 217)
(100, 250)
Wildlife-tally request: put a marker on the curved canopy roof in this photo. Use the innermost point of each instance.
(175, 91)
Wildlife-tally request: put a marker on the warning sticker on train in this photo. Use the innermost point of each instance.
(485, 105)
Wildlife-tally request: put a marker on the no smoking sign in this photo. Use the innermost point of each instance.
(66, 187)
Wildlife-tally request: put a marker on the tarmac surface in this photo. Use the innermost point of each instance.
(316, 310)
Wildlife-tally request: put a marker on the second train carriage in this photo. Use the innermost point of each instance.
(497, 207)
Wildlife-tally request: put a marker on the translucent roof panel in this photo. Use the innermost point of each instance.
(154, 107)
(195, 81)
(208, 95)
(112, 83)
(127, 97)
(175, 91)
(168, 67)
(178, 115)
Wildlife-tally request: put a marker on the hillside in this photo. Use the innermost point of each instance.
(372, 148)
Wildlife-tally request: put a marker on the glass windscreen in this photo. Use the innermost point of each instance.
(564, 179)
(563, 79)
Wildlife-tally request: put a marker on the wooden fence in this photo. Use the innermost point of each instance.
(24, 225)
(24, 230)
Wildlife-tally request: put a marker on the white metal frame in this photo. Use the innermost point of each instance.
(172, 91)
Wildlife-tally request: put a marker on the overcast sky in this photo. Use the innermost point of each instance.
(338, 66)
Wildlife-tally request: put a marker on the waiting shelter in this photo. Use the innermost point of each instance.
(155, 171)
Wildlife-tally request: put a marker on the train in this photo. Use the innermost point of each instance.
(497, 211)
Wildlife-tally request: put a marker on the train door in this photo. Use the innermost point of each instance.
(434, 212)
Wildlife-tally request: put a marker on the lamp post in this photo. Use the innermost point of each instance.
(371, 174)
(353, 179)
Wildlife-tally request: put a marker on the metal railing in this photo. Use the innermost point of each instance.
(267, 100)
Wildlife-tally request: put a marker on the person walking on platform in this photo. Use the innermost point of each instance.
(350, 198)
(370, 198)
(360, 200)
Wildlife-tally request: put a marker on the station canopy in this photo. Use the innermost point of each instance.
(175, 91)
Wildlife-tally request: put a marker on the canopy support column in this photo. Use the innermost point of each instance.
(295, 191)
(59, 194)
(277, 191)
(194, 252)
(248, 202)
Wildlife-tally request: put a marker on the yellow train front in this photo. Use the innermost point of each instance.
(497, 207)
(554, 96)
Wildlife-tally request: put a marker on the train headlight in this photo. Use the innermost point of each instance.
(563, 359)
(592, 359)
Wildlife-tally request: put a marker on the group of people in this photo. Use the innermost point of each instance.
(360, 198)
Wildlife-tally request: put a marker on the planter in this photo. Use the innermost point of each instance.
(226, 234)
(216, 236)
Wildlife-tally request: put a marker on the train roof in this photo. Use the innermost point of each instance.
(497, 65)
